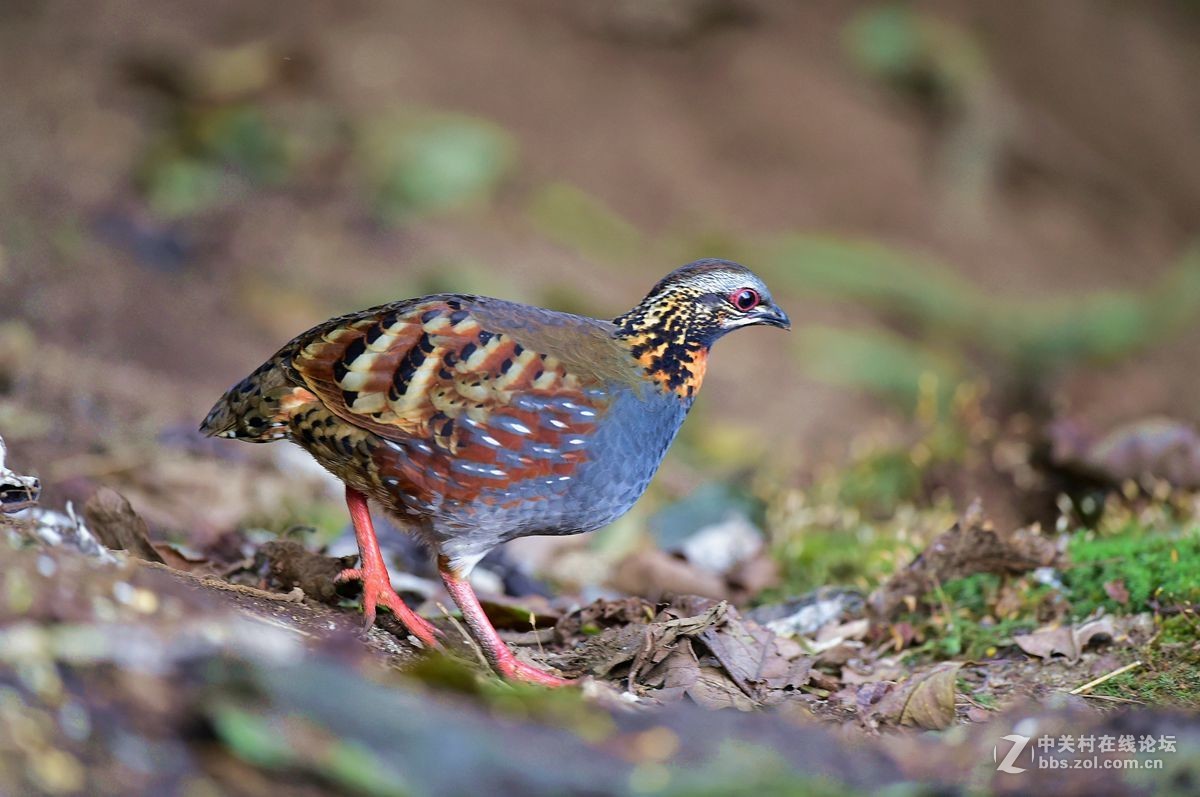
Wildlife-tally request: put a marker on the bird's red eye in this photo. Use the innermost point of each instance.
(745, 299)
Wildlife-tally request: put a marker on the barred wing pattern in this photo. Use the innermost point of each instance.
(466, 412)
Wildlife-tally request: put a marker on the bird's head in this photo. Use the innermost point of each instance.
(671, 330)
(702, 301)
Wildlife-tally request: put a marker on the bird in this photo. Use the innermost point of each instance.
(474, 420)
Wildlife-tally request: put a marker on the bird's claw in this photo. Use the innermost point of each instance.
(377, 591)
(516, 670)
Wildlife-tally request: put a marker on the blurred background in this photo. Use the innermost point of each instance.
(982, 218)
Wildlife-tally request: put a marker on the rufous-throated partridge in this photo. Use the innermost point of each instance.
(476, 420)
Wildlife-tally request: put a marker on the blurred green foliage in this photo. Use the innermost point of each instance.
(939, 329)
(914, 51)
(934, 331)
(443, 275)
(860, 554)
(941, 70)
(420, 163)
(293, 742)
(967, 624)
(189, 167)
(573, 218)
(457, 276)
(953, 331)
(570, 299)
(972, 639)
(880, 363)
(747, 770)
(705, 506)
(907, 289)
(242, 138)
(880, 481)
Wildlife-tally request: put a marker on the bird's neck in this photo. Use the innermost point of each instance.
(663, 336)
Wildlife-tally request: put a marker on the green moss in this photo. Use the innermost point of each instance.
(1156, 568)
(975, 593)
(1181, 629)
(963, 623)
(1170, 671)
(863, 557)
(965, 637)
(878, 483)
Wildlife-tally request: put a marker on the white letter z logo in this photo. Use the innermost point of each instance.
(1006, 765)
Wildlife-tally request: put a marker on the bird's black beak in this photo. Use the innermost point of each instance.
(772, 316)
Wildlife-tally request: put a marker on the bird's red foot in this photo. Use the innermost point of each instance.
(494, 650)
(377, 591)
(372, 572)
(513, 669)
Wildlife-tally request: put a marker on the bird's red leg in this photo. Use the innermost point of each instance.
(494, 649)
(371, 570)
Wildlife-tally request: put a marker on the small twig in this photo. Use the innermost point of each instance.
(1115, 699)
(976, 703)
(1090, 685)
(533, 627)
(296, 595)
(466, 637)
(527, 638)
(941, 596)
(261, 618)
(209, 580)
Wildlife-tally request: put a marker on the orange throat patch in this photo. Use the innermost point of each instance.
(675, 367)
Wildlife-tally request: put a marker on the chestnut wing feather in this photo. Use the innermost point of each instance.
(470, 395)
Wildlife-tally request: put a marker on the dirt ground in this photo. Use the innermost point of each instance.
(754, 123)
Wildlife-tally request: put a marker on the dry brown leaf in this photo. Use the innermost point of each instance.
(840, 653)
(655, 573)
(835, 632)
(694, 646)
(677, 674)
(882, 670)
(752, 576)
(285, 564)
(743, 649)
(175, 560)
(925, 700)
(112, 519)
(971, 546)
(1068, 641)
(643, 645)
(714, 689)
(1047, 642)
(868, 695)
(1117, 591)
